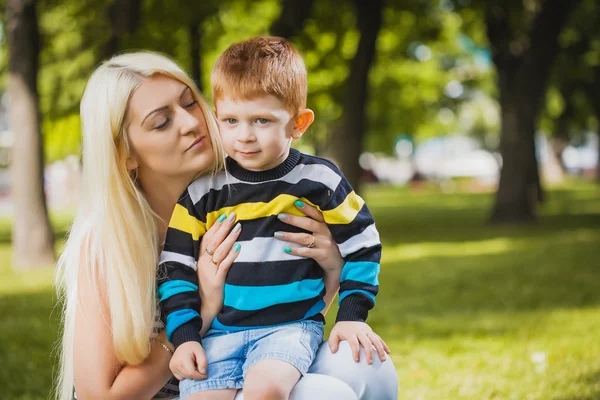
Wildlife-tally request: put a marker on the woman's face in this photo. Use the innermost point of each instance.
(167, 132)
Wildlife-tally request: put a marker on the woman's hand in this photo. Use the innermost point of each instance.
(218, 250)
(319, 245)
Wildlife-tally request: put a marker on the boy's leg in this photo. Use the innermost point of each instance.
(270, 380)
(225, 394)
(277, 357)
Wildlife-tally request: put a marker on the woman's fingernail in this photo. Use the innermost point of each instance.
(282, 216)
(237, 228)
(222, 217)
(287, 249)
(299, 203)
(231, 217)
(202, 371)
(236, 248)
(279, 235)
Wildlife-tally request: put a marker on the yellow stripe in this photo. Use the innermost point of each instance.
(345, 212)
(183, 221)
(284, 203)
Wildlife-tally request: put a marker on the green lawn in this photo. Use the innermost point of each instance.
(470, 311)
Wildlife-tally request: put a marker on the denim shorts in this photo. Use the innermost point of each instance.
(231, 354)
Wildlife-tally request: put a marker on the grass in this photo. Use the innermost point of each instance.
(470, 311)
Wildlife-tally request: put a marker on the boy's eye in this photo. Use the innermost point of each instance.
(262, 121)
(231, 121)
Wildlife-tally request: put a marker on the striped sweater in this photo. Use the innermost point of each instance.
(266, 286)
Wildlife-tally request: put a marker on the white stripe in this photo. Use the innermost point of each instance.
(367, 238)
(201, 186)
(262, 249)
(314, 172)
(167, 256)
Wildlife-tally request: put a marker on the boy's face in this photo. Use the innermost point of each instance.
(257, 133)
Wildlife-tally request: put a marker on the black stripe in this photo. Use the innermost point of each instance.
(273, 315)
(372, 254)
(180, 301)
(181, 242)
(273, 272)
(265, 227)
(343, 232)
(239, 193)
(353, 285)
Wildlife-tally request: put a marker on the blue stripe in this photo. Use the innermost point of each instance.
(178, 318)
(171, 288)
(361, 271)
(248, 298)
(314, 310)
(348, 292)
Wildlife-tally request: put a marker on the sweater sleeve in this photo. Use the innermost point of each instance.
(177, 280)
(353, 229)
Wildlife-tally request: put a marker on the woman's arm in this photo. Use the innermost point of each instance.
(97, 372)
(218, 251)
(325, 251)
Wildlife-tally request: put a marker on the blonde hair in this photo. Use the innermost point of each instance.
(259, 66)
(113, 239)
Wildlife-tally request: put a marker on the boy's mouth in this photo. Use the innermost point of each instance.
(248, 153)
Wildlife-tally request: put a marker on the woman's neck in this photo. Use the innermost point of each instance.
(163, 194)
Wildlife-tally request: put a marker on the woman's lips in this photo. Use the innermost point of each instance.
(198, 143)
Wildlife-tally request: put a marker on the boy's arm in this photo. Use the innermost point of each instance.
(177, 279)
(353, 229)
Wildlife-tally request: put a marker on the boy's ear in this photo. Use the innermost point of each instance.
(303, 120)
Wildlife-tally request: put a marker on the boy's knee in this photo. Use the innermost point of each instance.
(259, 389)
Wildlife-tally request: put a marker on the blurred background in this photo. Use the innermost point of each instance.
(469, 126)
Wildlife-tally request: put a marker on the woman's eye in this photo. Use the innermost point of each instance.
(262, 121)
(231, 121)
(163, 125)
(191, 104)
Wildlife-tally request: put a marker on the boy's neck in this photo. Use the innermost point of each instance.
(284, 167)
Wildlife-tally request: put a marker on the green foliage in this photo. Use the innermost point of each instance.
(406, 94)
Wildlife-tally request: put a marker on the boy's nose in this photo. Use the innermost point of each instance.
(246, 135)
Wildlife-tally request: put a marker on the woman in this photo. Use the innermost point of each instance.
(140, 115)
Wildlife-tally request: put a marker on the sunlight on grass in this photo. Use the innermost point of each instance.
(471, 311)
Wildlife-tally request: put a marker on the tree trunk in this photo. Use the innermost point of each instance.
(523, 66)
(32, 238)
(123, 16)
(347, 142)
(291, 20)
(518, 189)
(194, 31)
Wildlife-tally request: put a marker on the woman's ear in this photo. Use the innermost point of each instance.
(131, 163)
(304, 119)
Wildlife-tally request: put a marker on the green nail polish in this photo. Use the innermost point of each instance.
(282, 216)
(222, 217)
(236, 248)
(299, 203)
(287, 249)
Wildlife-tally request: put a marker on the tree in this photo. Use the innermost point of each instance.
(32, 238)
(347, 141)
(524, 45)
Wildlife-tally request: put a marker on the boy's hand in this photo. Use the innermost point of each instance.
(358, 333)
(189, 361)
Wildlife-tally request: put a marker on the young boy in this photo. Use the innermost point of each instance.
(271, 325)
